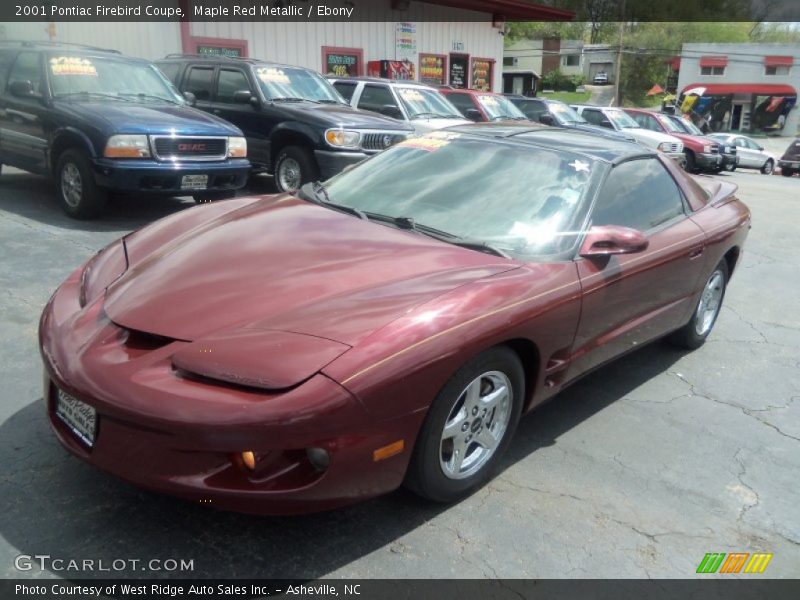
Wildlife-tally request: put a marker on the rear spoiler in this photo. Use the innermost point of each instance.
(720, 192)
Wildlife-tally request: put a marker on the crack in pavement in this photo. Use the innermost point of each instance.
(742, 472)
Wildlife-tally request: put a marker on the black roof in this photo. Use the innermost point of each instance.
(28, 45)
(231, 59)
(596, 147)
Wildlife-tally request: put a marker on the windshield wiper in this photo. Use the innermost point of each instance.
(144, 96)
(326, 101)
(432, 114)
(438, 234)
(290, 99)
(87, 94)
(317, 193)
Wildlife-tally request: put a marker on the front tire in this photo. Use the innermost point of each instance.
(80, 196)
(469, 426)
(730, 167)
(787, 172)
(690, 166)
(768, 167)
(294, 166)
(694, 333)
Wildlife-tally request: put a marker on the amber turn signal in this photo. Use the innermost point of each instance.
(249, 460)
(388, 451)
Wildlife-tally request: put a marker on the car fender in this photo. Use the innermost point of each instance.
(295, 129)
(64, 137)
(400, 368)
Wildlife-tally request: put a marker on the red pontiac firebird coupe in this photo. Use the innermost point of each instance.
(294, 353)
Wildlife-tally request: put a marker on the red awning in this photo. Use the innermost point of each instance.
(778, 61)
(713, 61)
(759, 89)
(674, 63)
(510, 10)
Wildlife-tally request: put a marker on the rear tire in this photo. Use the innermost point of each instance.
(787, 172)
(768, 167)
(80, 196)
(294, 166)
(468, 428)
(704, 316)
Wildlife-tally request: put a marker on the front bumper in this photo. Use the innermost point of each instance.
(708, 161)
(151, 176)
(730, 159)
(332, 162)
(678, 157)
(184, 436)
(793, 165)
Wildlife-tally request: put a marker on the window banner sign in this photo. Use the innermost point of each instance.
(431, 69)
(458, 71)
(482, 74)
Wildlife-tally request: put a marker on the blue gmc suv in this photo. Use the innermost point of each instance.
(98, 121)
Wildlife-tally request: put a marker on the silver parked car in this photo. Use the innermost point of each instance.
(751, 154)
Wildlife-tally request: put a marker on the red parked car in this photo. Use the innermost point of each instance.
(294, 353)
(483, 106)
(702, 154)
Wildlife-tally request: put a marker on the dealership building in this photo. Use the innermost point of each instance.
(741, 87)
(439, 42)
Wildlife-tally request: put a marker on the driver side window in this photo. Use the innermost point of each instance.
(640, 194)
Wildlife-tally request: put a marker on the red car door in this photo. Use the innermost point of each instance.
(631, 299)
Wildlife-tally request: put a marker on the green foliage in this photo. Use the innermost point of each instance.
(560, 82)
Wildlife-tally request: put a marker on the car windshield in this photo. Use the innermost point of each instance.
(449, 182)
(421, 103)
(621, 119)
(498, 107)
(281, 83)
(564, 113)
(690, 127)
(670, 125)
(89, 77)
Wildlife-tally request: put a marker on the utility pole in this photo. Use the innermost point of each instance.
(617, 88)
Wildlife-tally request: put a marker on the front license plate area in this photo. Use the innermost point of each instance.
(194, 182)
(78, 416)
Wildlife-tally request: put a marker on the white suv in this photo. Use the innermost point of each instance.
(421, 106)
(619, 120)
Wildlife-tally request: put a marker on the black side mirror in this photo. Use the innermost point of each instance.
(390, 110)
(190, 98)
(546, 119)
(22, 88)
(242, 97)
(473, 114)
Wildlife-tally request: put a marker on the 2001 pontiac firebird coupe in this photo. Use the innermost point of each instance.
(287, 354)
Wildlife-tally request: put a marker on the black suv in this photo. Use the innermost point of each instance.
(98, 121)
(297, 125)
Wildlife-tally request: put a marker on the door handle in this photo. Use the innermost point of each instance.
(696, 252)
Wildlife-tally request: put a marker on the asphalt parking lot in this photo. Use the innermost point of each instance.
(637, 471)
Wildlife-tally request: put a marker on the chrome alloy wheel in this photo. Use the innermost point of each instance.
(710, 302)
(71, 185)
(476, 425)
(289, 174)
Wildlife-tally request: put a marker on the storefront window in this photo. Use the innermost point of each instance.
(432, 69)
(482, 70)
(342, 62)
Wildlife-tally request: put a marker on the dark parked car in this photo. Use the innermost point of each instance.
(97, 121)
(789, 163)
(295, 353)
(559, 114)
(298, 127)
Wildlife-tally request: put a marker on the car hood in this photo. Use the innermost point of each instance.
(623, 135)
(341, 115)
(653, 137)
(135, 117)
(423, 125)
(280, 263)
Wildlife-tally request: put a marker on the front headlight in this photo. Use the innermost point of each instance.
(342, 138)
(127, 146)
(665, 146)
(707, 148)
(237, 147)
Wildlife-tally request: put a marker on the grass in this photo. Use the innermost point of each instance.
(568, 97)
